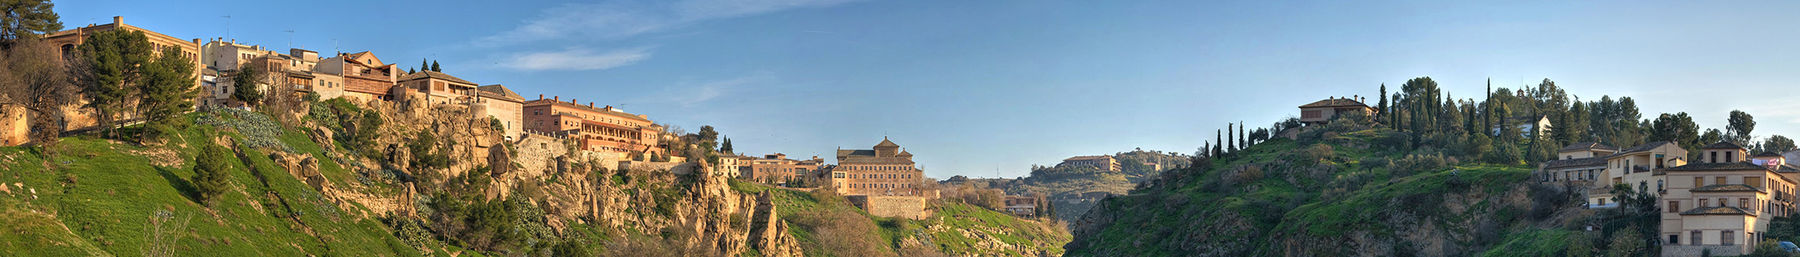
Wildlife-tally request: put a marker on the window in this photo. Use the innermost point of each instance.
(1726, 237)
(1729, 157)
(1698, 181)
(1714, 157)
(1694, 238)
(1753, 181)
(1720, 180)
(1674, 239)
(1674, 207)
(1744, 202)
(1704, 203)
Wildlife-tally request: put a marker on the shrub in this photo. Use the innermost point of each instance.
(209, 173)
(259, 130)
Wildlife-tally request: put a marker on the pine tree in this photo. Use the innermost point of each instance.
(424, 65)
(209, 173)
(116, 59)
(434, 67)
(167, 93)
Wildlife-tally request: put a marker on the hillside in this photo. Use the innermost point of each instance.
(1074, 189)
(293, 193)
(1333, 195)
(826, 225)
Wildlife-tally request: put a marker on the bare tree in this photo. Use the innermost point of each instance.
(34, 76)
(165, 230)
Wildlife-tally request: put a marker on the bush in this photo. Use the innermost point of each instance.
(209, 173)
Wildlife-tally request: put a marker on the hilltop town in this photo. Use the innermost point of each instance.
(439, 163)
(1513, 172)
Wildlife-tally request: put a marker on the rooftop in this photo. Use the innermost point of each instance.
(1580, 146)
(1578, 162)
(435, 75)
(1335, 102)
(1723, 145)
(1717, 210)
(500, 92)
(1727, 188)
(1643, 148)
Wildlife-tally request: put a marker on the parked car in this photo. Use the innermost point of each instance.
(1789, 247)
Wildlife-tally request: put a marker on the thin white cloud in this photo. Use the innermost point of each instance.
(620, 19)
(713, 89)
(577, 59)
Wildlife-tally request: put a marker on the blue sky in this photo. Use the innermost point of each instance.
(986, 88)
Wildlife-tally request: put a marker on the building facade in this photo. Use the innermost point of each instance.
(67, 41)
(504, 105)
(1102, 162)
(436, 88)
(1323, 111)
(778, 169)
(604, 130)
(1579, 163)
(364, 77)
(1723, 203)
(884, 170)
(1640, 167)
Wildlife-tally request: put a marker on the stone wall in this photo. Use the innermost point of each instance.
(13, 125)
(1695, 250)
(911, 207)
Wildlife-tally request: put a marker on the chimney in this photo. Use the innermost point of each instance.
(556, 98)
(573, 101)
(590, 104)
(119, 20)
(540, 96)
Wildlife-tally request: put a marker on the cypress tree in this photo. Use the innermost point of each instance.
(1218, 149)
(434, 67)
(1230, 143)
(1243, 138)
(1383, 106)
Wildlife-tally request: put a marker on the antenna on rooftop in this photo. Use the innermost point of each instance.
(290, 39)
(227, 26)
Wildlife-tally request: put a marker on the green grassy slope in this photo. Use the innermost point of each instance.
(106, 194)
(942, 232)
(1335, 196)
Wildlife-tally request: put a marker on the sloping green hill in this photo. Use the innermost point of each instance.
(99, 197)
(826, 225)
(1339, 195)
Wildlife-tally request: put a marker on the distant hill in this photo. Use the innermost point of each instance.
(1075, 188)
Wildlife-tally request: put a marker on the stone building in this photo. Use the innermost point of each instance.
(364, 77)
(1023, 206)
(1579, 163)
(778, 169)
(1324, 110)
(1103, 162)
(1723, 203)
(884, 170)
(225, 57)
(437, 88)
(303, 65)
(603, 130)
(1640, 167)
(503, 104)
(66, 41)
